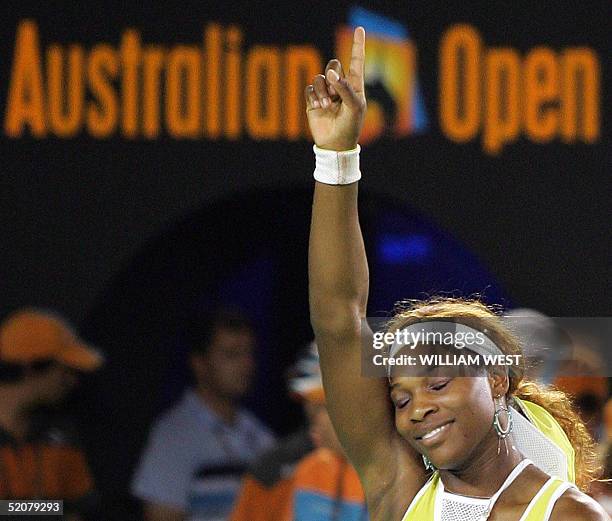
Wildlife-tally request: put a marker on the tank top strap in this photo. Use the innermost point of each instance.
(509, 480)
(542, 504)
(422, 506)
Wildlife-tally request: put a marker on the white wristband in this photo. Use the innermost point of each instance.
(337, 168)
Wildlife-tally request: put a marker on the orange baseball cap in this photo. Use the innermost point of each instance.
(31, 335)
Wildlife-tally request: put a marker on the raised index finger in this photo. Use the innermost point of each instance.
(356, 73)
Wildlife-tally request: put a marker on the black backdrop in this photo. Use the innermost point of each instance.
(74, 211)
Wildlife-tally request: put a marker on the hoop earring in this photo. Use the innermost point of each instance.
(502, 433)
(428, 464)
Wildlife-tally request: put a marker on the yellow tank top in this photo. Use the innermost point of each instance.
(427, 504)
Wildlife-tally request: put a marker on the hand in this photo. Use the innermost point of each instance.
(336, 104)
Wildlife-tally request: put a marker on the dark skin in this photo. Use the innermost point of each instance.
(380, 442)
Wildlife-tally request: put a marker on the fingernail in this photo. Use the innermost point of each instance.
(325, 102)
(316, 104)
(332, 75)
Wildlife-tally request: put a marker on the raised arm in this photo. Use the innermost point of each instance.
(359, 407)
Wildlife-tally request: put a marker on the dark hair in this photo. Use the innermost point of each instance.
(13, 373)
(201, 332)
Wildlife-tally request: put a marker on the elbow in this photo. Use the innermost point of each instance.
(338, 318)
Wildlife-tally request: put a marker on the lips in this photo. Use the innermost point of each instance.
(431, 433)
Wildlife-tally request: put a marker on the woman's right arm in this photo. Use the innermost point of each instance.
(338, 287)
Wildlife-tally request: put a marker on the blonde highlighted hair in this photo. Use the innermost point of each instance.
(476, 314)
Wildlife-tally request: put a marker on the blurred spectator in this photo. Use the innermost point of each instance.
(267, 488)
(326, 486)
(556, 356)
(581, 378)
(40, 355)
(589, 394)
(198, 451)
(545, 344)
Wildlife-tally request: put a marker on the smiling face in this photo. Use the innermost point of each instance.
(448, 419)
(447, 414)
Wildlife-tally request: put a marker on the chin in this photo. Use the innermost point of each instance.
(448, 460)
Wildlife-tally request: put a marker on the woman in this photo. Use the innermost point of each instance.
(395, 435)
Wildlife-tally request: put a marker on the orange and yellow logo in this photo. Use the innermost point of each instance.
(395, 105)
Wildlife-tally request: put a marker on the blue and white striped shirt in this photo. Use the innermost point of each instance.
(194, 460)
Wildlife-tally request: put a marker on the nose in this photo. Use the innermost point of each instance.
(421, 408)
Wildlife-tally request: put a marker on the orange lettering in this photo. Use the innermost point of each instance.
(183, 117)
(232, 83)
(302, 63)
(541, 89)
(153, 60)
(213, 75)
(25, 105)
(460, 83)
(263, 86)
(580, 84)
(102, 68)
(65, 114)
(130, 60)
(502, 98)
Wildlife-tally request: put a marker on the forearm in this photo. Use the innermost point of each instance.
(338, 270)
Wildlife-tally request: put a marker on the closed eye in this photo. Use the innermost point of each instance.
(440, 385)
(400, 404)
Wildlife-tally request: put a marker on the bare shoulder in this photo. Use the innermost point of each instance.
(576, 506)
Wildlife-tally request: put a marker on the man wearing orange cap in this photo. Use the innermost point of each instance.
(40, 358)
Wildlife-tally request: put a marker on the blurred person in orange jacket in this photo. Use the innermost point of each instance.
(323, 485)
(326, 487)
(40, 458)
(267, 487)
